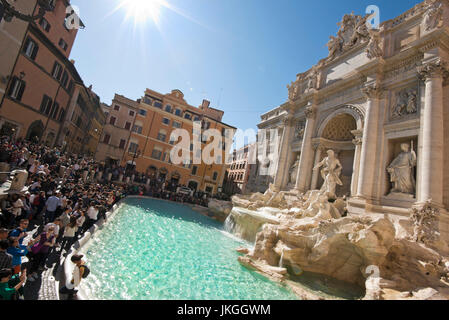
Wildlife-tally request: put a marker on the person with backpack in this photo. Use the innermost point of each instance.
(81, 271)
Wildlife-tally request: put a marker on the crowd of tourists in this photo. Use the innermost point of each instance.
(64, 199)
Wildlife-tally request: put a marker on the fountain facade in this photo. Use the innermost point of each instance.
(369, 127)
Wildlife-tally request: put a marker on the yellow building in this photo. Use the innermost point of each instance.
(149, 146)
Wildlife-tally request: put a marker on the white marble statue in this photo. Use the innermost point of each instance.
(433, 15)
(401, 171)
(294, 171)
(331, 174)
(374, 50)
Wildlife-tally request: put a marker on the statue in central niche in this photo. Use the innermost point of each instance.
(331, 174)
(401, 171)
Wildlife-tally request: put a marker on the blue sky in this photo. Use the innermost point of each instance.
(239, 54)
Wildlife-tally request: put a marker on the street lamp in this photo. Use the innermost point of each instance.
(135, 155)
(7, 11)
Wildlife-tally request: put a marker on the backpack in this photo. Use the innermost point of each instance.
(86, 271)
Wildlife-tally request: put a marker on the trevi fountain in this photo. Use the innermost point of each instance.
(357, 189)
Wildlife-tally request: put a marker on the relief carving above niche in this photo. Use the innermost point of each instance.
(404, 103)
(353, 31)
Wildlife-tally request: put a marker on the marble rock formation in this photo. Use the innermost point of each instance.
(392, 259)
(221, 209)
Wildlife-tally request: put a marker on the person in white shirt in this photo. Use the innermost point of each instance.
(77, 276)
(69, 233)
(92, 214)
(17, 206)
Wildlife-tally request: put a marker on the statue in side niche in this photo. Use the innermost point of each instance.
(401, 171)
(294, 171)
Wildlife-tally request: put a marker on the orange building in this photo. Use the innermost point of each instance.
(42, 82)
(149, 146)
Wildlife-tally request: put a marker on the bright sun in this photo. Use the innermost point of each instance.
(144, 10)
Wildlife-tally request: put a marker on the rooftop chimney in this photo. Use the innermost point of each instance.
(72, 61)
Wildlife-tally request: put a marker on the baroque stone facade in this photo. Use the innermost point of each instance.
(378, 93)
(371, 193)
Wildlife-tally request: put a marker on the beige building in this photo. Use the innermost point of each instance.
(82, 123)
(120, 117)
(238, 172)
(380, 102)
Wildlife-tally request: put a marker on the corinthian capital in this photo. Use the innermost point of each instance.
(310, 112)
(288, 121)
(372, 91)
(434, 69)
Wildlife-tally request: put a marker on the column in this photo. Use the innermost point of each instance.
(431, 162)
(283, 153)
(306, 159)
(358, 134)
(318, 153)
(369, 142)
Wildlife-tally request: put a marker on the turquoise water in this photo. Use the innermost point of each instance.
(157, 250)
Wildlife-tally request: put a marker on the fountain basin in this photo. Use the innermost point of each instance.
(157, 250)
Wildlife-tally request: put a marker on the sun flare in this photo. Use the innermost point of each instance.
(143, 11)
